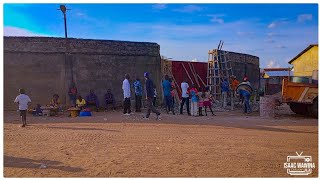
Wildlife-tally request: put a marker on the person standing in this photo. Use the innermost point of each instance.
(23, 101)
(172, 92)
(167, 94)
(194, 100)
(225, 90)
(185, 96)
(154, 96)
(126, 95)
(149, 88)
(234, 84)
(201, 98)
(208, 100)
(138, 94)
(73, 94)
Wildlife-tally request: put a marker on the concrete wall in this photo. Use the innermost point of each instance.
(245, 65)
(38, 64)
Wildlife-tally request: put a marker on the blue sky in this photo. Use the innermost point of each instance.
(273, 32)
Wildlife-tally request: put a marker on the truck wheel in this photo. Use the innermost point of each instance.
(314, 108)
(299, 108)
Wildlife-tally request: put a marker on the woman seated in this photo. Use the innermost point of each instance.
(80, 103)
(56, 104)
(55, 101)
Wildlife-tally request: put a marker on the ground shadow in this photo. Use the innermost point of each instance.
(19, 162)
(85, 129)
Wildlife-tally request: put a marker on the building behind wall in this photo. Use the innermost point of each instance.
(38, 65)
(242, 65)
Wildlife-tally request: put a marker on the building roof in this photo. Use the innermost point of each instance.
(305, 50)
(276, 69)
(277, 73)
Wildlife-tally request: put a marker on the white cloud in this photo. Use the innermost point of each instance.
(304, 17)
(217, 18)
(272, 25)
(189, 9)
(272, 64)
(159, 6)
(245, 33)
(281, 46)
(15, 31)
(278, 22)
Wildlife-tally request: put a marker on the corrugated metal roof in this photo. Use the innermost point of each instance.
(278, 73)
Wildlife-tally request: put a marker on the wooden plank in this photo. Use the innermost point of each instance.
(194, 74)
(201, 80)
(187, 72)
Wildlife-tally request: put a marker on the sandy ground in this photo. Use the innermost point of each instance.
(230, 144)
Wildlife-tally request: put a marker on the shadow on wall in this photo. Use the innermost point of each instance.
(19, 162)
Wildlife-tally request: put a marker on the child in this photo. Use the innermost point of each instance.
(154, 96)
(201, 97)
(207, 101)
(194, 100)
(23, 101)
(37, 111)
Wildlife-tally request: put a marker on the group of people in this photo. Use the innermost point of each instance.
(150, 95)
(91, 100)
(229, 87)
(200, 98)
(196, 98)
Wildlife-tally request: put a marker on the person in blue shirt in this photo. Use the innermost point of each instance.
(149, 88)
(138, 94)
(92, 100)
(246, 95)
(167, 94)
(224, 90)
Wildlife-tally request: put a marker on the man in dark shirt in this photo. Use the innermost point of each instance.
(149, 96)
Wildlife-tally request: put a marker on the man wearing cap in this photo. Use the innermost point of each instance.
(126, 95)
(149, 88)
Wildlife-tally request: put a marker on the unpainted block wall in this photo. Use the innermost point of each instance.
(245, 64)
(38, 64)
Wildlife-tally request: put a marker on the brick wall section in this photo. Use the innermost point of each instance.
(38, 65)
(245, 63)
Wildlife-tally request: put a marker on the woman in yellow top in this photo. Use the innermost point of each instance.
(55, 101)
(80, 103)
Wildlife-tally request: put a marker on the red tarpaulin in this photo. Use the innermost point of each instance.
(180, 74)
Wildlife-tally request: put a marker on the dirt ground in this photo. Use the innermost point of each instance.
(109, 144)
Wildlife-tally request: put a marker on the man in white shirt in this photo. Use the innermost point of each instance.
(185, 96)
(126, 95)
(23, 101)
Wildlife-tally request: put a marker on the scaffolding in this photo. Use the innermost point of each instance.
(219, 67)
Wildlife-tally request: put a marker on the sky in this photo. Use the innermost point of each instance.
(274, 32)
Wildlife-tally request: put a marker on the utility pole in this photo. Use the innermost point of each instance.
(64, 12)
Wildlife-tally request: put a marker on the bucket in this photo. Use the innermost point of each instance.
(85, 113)
(298, 79)
(267, 106)
(74, 113)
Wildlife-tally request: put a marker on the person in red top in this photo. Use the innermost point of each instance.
(172, 91)
(73, 94)
(234, 84)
